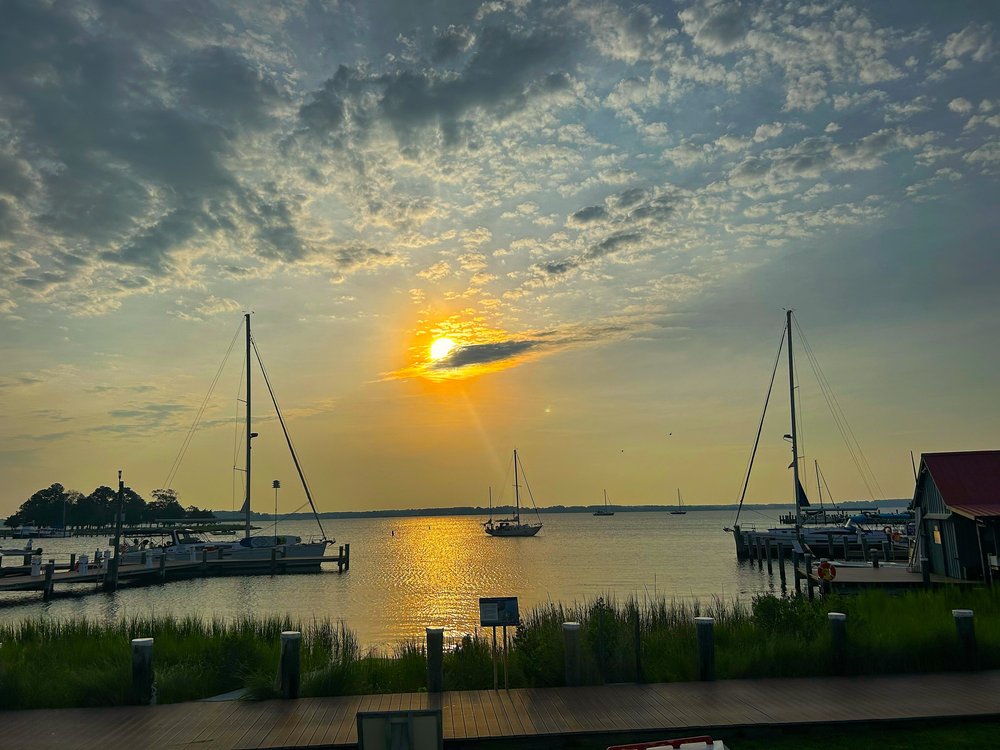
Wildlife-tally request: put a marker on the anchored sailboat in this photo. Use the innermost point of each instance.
(680, 505)
(513, 526)
(606, 510)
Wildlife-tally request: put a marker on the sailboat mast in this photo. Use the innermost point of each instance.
(246, 503)
(795, 445)
(819, 485)
(517, 495)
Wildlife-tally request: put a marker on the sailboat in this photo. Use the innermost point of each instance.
(512, 526)
(680, 505)
(606, 510)
(183, 542)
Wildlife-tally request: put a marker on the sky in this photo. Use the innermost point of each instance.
(605, 207)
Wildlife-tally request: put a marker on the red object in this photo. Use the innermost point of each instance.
(826, 571)
(664, 743)
(968, 481)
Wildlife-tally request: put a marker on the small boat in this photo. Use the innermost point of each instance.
(512, 526)
(680, 505)
(606, 510)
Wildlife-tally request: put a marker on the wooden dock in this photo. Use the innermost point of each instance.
(605, 713)
(160, 570)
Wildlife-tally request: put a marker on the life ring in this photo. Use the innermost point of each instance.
(826, 571)
(896, 536)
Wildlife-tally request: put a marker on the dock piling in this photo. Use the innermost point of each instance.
(704, 627)
(291, 646)
(966, 628)
(838, 641)
(795, 572)
(770, 568)
(142, 671)
(50, 570)
(435, 660)
(347, 556)
(810, 585)
(781, 563)
(340, 559)
(571, 643)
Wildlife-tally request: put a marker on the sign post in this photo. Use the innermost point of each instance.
(494, 612)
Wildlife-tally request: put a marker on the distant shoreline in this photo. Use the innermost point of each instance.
(471, 510)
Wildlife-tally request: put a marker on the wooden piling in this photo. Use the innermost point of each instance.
(435, 660)
(760, 553)
(347, 556)
(810, 586)
(838, 641)
(829, 545)
(50, 569)
(72, 561)
(966, 629)
(291, 646)
(142, 671)
(571, 644)
(781, 563)
(704, 628)
(340, 559)
(795, 572)
(770, 567)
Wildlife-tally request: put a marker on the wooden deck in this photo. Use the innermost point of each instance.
(675, 709)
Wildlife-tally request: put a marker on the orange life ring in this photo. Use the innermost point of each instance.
(896, 536)
(826, 571)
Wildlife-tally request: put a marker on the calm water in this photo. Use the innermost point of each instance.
(410, 573)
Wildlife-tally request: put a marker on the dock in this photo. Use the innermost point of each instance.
(543, 717)
(158, 569)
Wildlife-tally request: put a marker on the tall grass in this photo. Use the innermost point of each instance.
(86, 663)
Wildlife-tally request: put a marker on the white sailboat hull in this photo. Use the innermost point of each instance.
(504, 528)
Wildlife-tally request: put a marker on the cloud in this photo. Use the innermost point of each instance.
(451, 42)
(588, 215)
(481, 354)
(716, 27)
(960, 105)
(975, 41)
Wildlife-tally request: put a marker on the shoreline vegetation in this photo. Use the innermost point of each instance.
(82, 663)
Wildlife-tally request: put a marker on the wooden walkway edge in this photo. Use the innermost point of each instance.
(673, 708)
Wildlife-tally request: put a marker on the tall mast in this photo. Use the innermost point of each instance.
(246, 503)
(819, 485)
(795, 446)
(517, 496)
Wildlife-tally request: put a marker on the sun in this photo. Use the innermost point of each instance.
(441, 348)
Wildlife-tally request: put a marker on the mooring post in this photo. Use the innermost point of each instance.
(435, 660)
(760, 553)
(36, 567)
(571, 643)
(347, 556)
(72, 561)
(142, 671)
(340, 559)
(50, 569)
(291, 646)
(781, 563)
(704, 628)
(810, 586)
(770, 568)
(838, 641)
(966, 636)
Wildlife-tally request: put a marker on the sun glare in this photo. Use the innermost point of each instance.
(441, 348)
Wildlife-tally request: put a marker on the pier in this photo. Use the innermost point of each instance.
(155, 569)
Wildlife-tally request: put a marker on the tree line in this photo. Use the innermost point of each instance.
(57, 507)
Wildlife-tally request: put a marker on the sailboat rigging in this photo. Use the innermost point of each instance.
(512, 526)
(679, 511)
(606, 510)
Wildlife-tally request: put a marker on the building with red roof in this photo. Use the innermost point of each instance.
(957, 505)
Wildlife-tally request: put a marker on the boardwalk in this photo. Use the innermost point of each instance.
(674, 709)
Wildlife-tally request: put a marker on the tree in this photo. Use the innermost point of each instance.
(164, 505)
(44, 508)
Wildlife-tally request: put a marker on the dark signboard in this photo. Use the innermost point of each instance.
(498, 610)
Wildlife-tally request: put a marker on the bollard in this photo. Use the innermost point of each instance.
(781, 563)
(838, 641)
(435, 660)
(966, 636)
(142, 671)
(704, 628)
(291, 643)
(810, 585)
(72, 561)
(84, 564)
(571, 642)
(36, 567)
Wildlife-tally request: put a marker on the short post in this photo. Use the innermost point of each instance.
(340, 559)
(925, 571)
(875, 555)
(966, 636)
(291, 645)
(347, 556)
(50, 569)
(142, 671)
(72, 561)
(704, 627)
(36, 567)
(795, 572)
(571, 642)
(84, 564)
(435, 660)
(838, 641)
(770, 568)
(781, 563)
(810, 586)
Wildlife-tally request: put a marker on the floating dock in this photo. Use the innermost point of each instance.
(44, 577)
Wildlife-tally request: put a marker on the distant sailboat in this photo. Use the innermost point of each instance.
(512, 526)
(680, 505)
(606, 510)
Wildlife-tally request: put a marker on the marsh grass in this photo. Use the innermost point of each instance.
(84, 663)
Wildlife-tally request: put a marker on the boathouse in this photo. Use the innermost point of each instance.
(957, 507)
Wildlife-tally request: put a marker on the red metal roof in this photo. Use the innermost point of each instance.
(968, 481)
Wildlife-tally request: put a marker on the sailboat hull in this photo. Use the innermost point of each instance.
(513, 529)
